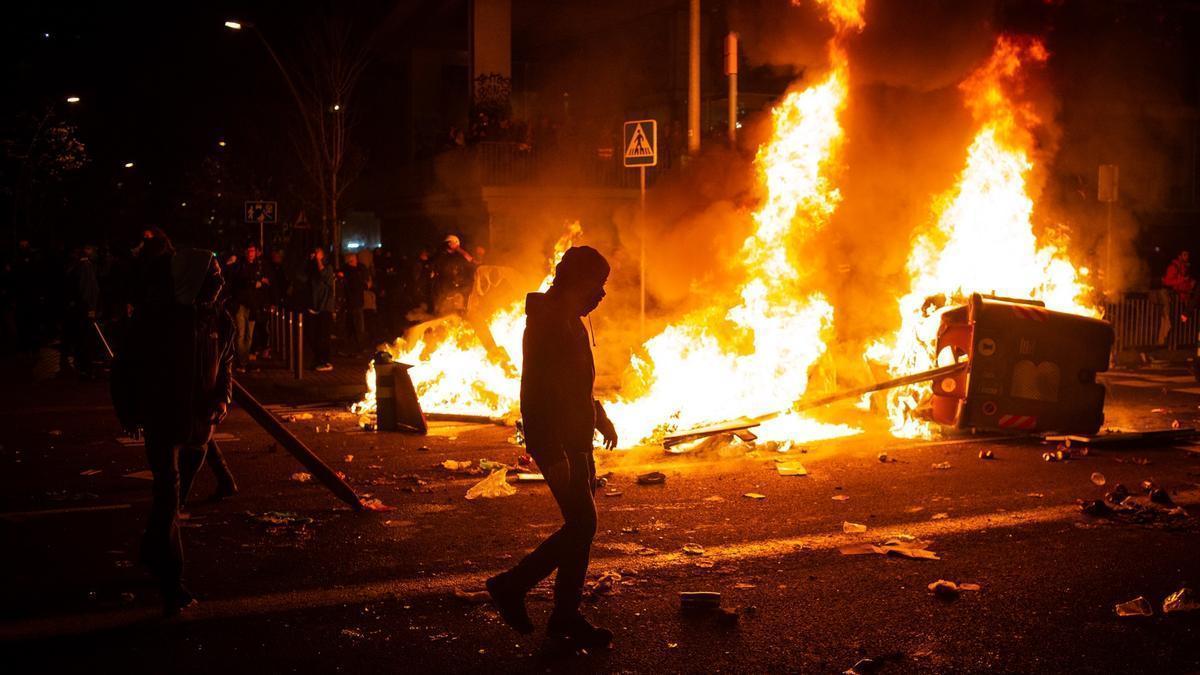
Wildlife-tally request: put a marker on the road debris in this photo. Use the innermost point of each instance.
(298, 417)
(853, 528)
(423, 448)
(530, 478)
(791, 469)
(693, 549)
(900, 545)
(699, 600)
(864, 667)
(1138, 606)
(987, 454)
(348, 458)
(939, 516)
(840, 498)
(457, 465)
(1035, 495)
(884, 459)
(948, 590)
(89, 472)
(613, 493)
(1182, 600)
(607, 583)
(652, 478)
(471, 596)
(942, 465)
(375, 504)
(301, 476)
(755, 495)
(279, 518)
(1098, 478)
(495, 485)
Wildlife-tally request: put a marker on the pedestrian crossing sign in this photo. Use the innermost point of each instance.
(641, 143)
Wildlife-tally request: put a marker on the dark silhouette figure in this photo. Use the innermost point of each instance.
(560, 419)
(173, 376)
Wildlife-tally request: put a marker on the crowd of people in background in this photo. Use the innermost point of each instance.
(72, 299)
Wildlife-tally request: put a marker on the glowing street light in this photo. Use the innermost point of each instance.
(72, 99)
(128, 165)
(222, 143)
(233, 25)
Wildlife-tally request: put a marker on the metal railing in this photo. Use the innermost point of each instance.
(1153, 320)
(285, 337)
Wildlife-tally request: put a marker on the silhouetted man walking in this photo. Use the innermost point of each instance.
(560, 418)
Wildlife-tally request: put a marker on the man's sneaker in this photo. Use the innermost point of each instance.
(576, 630)
(510, 603)
(176, 599)
(323, 367)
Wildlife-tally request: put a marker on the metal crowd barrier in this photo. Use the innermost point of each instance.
(1151, 320)
(285, 336)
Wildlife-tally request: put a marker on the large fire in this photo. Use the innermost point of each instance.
(454, 372)
(750, 352)
(982, 237)
(755, 357)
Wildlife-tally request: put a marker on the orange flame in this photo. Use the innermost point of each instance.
(982, 238)
(755, 357)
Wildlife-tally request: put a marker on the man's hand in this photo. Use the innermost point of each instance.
(220, 411)
(608, 431)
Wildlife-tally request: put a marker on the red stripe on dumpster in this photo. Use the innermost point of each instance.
(1030, 313)
(1017, 421)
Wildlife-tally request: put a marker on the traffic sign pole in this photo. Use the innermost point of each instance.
(642, 253)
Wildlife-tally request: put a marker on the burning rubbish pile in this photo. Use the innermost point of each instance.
(753, 350)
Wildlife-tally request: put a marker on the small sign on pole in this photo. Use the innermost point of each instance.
(641, 143)
(261, 212)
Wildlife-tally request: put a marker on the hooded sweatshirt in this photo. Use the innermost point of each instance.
(557, 408)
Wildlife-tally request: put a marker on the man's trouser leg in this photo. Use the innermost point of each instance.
(162, 548)
(216, 460)
(569, 548)
(245, 329)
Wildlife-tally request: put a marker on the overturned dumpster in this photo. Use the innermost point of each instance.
(1026, 368)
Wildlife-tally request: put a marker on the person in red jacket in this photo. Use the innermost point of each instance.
(1177, 281)
(560, 418)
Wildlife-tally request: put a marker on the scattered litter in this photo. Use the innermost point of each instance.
(904, 546)
(714, 498)
(301, 476)
(884, 459)
(348, 458)
(1035, 495)
(791, 469)
(489, 465)
(1182, 600)
(693, 549)
(942, 465)
(699, 600)
(755, 495)
(457, 465)
(613, 493)
(299, 417)
(841, 498)
(853, 528)
(376, 504)
(1138, 606)
(948, 590)
(471, 596)
(652, 478)
(89, 472)
(495, 485)
(939, 516)
(864, 667)
(987, 454)
(607, 583)
(744, 586)
(279, 518)
(530, 478)
(56, 432)
(145, 474)
(1098, 478)
(1175, 424)
(423, 448)
(705, 563)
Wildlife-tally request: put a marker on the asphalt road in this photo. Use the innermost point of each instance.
(380, 592)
